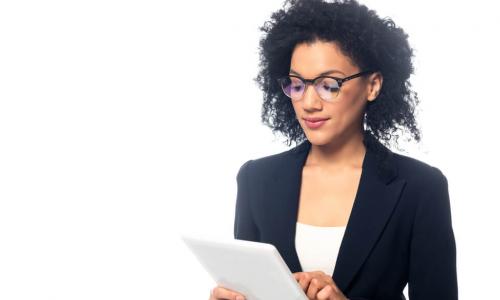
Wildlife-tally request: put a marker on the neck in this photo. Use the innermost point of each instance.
(344, 152)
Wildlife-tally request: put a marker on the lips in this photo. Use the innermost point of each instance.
(315, 119)
(314, 123)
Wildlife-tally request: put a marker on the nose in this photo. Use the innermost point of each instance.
(311, 99)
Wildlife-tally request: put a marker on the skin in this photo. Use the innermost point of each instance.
(333, 166)
(331, 174)
(332, 171)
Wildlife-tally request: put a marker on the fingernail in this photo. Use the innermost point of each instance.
(239, 298)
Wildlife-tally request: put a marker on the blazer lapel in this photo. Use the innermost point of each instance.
(376, 197)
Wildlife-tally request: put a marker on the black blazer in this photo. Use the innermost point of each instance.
(399, 230)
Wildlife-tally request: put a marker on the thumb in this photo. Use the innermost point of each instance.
(297, 275)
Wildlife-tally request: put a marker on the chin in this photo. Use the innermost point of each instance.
(318, 139)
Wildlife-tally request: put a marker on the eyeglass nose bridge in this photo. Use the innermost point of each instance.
(307, 83)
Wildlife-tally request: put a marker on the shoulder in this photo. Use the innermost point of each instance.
(417, 172)
(267, 164)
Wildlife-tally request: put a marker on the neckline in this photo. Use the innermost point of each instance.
(322, 227)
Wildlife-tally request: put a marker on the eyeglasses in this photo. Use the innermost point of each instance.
(327, 87)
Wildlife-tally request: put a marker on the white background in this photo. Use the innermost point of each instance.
(111, 146)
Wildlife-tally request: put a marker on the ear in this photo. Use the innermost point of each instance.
(375, 81)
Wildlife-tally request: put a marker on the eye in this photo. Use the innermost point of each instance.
(331, 88)
(296, 84)
(329, 85)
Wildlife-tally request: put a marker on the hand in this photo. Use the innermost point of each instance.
(319, 286)
(221, 293)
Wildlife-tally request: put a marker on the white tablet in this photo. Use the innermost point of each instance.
(253, 269)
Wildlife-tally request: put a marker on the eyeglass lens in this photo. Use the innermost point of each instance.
(327, 88)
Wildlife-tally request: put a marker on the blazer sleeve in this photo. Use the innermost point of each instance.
(244, 224)
(432, 266)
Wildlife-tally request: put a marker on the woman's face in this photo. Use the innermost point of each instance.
(344, 116)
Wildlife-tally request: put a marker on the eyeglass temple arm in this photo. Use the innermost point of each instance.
(355, 75)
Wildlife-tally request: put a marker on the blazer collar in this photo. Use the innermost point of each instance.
(379, 160)
(378, 192)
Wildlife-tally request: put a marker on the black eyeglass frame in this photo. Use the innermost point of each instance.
(340, 81)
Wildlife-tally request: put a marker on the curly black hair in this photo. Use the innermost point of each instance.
(370, 41)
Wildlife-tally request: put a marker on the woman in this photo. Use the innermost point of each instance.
(351, 219)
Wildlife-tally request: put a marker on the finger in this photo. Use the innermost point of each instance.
(297, 275)
(313, 288)
(326, 293)
(304, 281)
(319, 273)
(221, 293)
(322, 276)
(334, 285)
(328, 278)
(335, 288)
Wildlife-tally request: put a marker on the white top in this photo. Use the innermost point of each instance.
(318, 246)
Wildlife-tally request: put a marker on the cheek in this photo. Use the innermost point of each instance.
(341, 111)
(353, 103)
(296, 108)
(346, 113)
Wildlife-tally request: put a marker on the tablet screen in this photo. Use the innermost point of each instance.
(253, 269)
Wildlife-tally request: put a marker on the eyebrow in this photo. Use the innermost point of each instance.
(322, 74)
